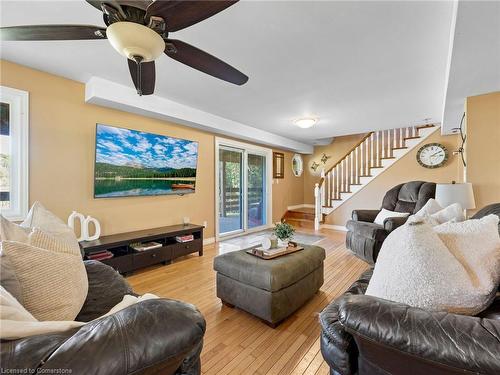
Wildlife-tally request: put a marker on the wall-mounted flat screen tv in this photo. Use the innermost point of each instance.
(134, 163)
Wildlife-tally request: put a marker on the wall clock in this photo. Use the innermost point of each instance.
(432, 155)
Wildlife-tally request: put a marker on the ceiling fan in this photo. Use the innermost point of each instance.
(138, 30)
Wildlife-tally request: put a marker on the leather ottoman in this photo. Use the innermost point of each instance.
(269, 289)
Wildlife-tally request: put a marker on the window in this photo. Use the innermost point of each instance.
(13, 153)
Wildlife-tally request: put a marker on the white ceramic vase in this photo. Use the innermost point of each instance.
(283, 243)
(84, 226)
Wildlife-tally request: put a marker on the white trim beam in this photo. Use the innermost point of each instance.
(113, 95)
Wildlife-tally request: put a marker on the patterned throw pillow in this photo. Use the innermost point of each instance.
(52, 275)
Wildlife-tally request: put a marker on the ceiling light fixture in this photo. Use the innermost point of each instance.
(133, 40)
(305, 122)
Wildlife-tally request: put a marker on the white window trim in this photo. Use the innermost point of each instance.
(19, 169)
(245, 148)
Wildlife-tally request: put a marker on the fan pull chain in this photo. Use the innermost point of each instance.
(138, 61)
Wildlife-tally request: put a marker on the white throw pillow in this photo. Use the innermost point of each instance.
(385, 214)
(429, 208)
(53, 279)
(476, 245)
(453, 213)
(453, 268)
(40, 217)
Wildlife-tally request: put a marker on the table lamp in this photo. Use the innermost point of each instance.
(447, 194)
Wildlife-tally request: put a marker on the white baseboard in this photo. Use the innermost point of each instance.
(334, 227)
(208, 241)
(300, 206)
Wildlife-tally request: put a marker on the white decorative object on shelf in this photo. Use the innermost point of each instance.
(84, 226)
(71, 223)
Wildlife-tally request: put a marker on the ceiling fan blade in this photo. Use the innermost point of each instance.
(52, 32)
(95, 3)
(179, 14)
(146, 77)
(204, 62)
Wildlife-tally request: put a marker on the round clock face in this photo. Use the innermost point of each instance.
(432, 155)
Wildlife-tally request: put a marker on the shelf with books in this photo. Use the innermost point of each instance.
(121, 251)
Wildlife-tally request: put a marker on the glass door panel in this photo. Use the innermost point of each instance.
(256, 191)
(230, 190)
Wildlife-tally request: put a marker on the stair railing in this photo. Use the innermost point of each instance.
(358, 162)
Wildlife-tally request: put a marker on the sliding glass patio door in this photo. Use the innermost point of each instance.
(230, 190)
(242, 188)
(256, 191)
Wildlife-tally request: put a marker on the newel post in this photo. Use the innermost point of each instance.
(317, 206)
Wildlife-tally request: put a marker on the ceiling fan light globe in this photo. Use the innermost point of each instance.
(132, 39)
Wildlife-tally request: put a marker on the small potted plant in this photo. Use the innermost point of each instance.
(284, 232)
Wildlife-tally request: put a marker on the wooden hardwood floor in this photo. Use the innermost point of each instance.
(238, 343)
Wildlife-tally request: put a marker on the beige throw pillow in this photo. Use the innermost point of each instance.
(40, 217)
(53, 279)
(9, 279)
(10, 231)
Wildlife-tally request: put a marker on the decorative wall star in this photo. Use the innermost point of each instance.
(325, 158)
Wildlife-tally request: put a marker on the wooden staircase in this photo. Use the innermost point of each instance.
(300, 217)
(373, 154)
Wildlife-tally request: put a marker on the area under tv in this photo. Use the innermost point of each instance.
(125, 259)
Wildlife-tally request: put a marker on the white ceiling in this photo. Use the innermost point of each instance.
(358, 66)
(474, 66)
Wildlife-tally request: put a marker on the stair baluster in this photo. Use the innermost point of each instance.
(358, 162)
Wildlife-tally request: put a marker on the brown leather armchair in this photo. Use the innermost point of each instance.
(158, 336)
(367, 335)
(365, 238)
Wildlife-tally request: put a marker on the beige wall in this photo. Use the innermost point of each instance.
(406, 169)
(62, 144)
(337, 150)
(288, 191)
(62, 137)
(483, 147)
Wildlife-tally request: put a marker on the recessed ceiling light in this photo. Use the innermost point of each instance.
(305, 122)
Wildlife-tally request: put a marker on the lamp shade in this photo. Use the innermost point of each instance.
(132, 39)
(447, 194)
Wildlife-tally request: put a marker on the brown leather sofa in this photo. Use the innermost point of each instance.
(365, 238)
(368, 335)
(158, 336)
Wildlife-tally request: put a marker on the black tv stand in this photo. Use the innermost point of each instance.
(125, 259)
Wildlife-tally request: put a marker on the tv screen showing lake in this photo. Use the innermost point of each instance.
(134, 163)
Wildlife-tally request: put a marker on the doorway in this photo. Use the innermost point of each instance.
(243, 188)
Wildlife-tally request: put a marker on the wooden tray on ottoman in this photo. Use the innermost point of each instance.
(261, 253)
